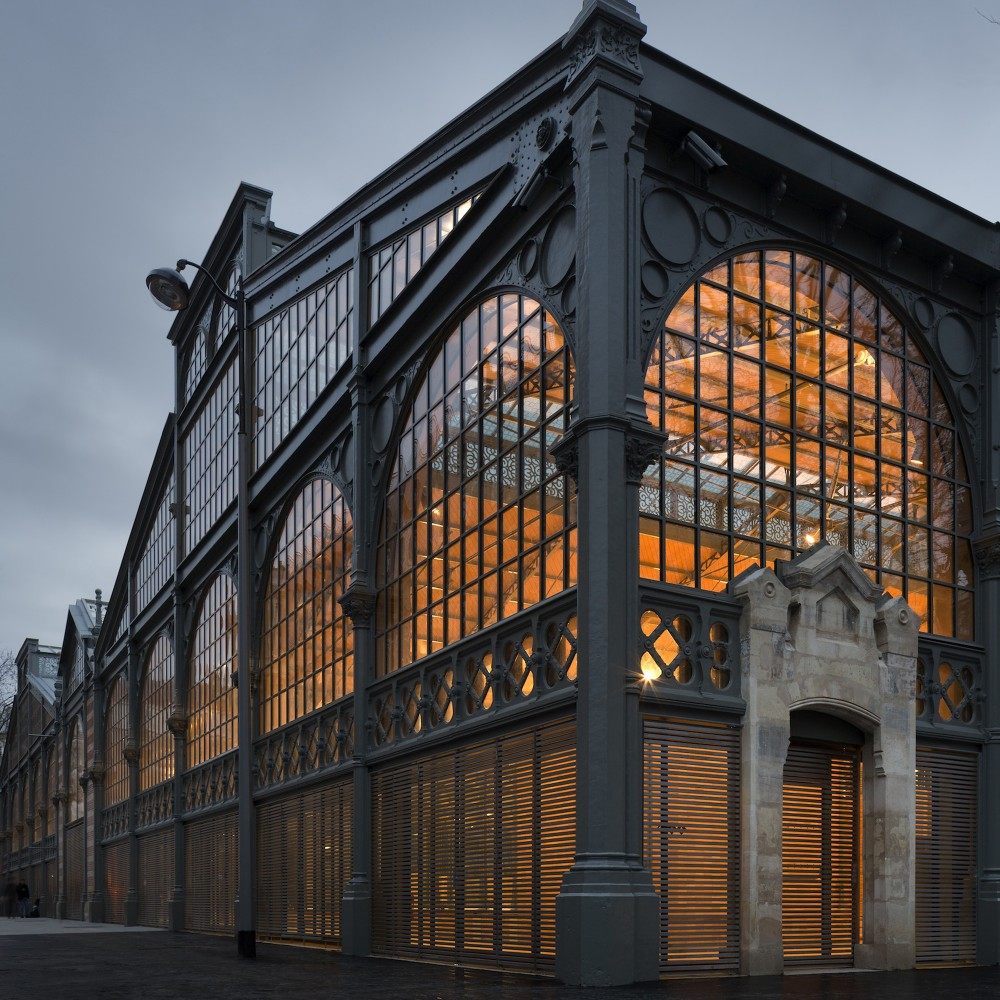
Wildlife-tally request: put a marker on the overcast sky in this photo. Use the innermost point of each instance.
(125, 128)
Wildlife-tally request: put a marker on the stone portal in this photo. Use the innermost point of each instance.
(816, 634)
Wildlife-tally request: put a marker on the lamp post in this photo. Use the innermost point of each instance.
(170, 290)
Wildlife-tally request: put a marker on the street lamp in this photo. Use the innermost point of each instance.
(171, 291)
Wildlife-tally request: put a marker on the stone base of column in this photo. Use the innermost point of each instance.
(988, 919)
(357, 918)
(175, 911)
(93, 909)
(607, 924)
(60, 908)
(131, 908)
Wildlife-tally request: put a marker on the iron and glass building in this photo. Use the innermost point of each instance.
(618, 583)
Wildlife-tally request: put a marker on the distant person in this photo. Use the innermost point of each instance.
(10, 899)
(23, 899)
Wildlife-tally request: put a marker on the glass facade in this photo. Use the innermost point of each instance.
(74, 770)
(211, 696)
(116, 783)
(478, 522)
(156, 564)
(51, 787)
(307, 642)
(209, 452)
(297, 352)
(394, 266)
(156, 695)
(797, 407)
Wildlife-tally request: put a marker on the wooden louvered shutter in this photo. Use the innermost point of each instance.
(156, 877)
(470, 848)
(210, 859)
(51, 889)
(73, 843)
(115, 881)
(691, 840)
(820, 870)
(304, 862)
(947, 807)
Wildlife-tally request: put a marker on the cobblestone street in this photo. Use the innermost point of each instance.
(157, 966)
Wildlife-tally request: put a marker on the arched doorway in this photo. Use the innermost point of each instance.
(821, 833)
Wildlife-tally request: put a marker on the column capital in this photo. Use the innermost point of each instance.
(605, 33)
(358, 603)
(987, 554)
(177, 724)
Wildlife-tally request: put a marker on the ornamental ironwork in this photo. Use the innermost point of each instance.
(519, 662)
(314, 743)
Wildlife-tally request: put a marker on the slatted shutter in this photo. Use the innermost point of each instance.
(115, 882)
(73, 843)
(156, 877)
(470, 847)
(820, 870)
(51, 891)
(304, 863)
(210, 874)
(691, 840)
(947, 807)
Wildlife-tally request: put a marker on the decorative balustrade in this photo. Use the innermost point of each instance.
(949, 685)
(210, 783)
(155, 805)
(34, 854)
(517, 661)
(114, 820)
(309, 744)
(688, 647)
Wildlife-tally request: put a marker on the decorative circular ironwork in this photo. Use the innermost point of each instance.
(559, 247)
(671, 226)
(957, 344)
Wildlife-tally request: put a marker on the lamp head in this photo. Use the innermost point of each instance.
(168, 288)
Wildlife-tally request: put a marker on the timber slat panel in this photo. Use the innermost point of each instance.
(73, 843)
(947, 805)
(304, 863)
(470, 847)
(115, 882)
(210, 860)
(156, 877)
(691, 840)
(820, 871)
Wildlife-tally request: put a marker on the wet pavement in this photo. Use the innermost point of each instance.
(137, 964)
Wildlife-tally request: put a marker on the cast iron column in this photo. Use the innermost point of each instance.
(131, 754)
(246, 926)
(177, 725)
(95, 898)
(607, 914)
(359, 604)
(987, 551)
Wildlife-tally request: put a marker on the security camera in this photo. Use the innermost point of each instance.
(701, 152)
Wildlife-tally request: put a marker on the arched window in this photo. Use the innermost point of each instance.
(74, 790)
(156, 744)
(798, 408)
(307, 642)
(211, 695)
(115, 736)
(50, 790)
(478, 522)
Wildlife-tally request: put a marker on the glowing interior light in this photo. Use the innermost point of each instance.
(810, 539)
(864, 359)
(650, 668)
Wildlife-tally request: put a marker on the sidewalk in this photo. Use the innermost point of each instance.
(26, 927)
(136, 965)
